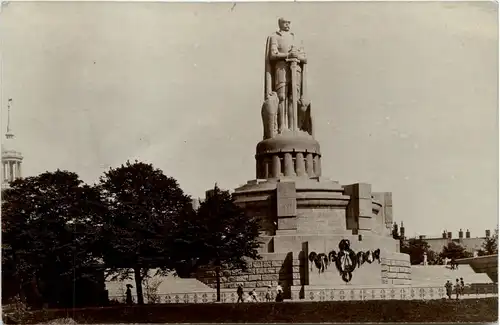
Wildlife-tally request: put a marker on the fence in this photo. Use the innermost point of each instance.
(405, 293)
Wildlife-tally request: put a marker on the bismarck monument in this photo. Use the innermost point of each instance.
(316, 233)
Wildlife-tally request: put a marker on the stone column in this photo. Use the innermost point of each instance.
(310, 165)
(289, 167)
(19, 175)
(318, 172)
(4, 171)
(300, 165)
(265, 166)
(316, 165)
(11, 171)
(276, 166)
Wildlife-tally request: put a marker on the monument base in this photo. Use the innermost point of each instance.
(303, 218)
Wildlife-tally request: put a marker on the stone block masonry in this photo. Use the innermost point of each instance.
(260, 274)
(395, 271)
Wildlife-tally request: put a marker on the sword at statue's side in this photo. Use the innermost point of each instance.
(293, 70)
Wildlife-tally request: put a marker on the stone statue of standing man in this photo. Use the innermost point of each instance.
(286, 107)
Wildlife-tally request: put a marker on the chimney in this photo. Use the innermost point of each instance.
(402, 231)
(487, 233)
(444, 234)
(467, 234)
(460, 234)
(449, 234)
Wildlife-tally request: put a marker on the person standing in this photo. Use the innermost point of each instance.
(449, 288)
(457, 288)
(462, 286)
(128, 294)
(279, 288)
(279, 296)
(239, 292)
(268, 294)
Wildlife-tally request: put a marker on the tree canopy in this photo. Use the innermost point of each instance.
(490, 245)
(220, 235)
(144, 209)
(454, 251)
(416, 249)
(46, 234)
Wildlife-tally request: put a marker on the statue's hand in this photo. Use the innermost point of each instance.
(271, 94)
(293, 54)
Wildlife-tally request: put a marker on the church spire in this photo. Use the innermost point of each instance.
(11, 158)
(9, 134)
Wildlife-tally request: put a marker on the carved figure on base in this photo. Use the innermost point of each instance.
(305, 122)
(270, 115)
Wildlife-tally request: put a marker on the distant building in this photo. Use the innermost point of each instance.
(471, 244)
(11, 158)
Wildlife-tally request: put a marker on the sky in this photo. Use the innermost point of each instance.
(404, 95)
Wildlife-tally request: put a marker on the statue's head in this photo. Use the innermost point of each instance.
(284, 24)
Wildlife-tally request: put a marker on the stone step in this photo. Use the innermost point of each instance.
(439, 274)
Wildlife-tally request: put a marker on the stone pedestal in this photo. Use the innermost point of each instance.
(301, 215)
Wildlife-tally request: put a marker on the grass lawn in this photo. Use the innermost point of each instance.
(469, 310)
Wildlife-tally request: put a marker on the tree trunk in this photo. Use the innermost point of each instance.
(138, 285)
(217, 276)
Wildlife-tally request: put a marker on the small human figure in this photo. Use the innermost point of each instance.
(252, 296)
(279, 296)
(457, 288)
(425, 258)
(128, 294)
(279, 288)
(268, 294)
(449, 288)
(462, 286)
(239, 292)
(446, 261)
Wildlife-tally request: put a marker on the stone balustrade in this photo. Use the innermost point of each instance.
(344, 294)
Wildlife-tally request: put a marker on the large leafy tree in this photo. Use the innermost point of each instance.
(490, 245)
(454, 251)
(416, 249)
(139, 229)
(219, 235)
(48, 241)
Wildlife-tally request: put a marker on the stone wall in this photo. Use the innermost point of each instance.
(271, 270)
(396, 271)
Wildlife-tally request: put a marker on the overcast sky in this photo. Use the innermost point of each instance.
(404, 95)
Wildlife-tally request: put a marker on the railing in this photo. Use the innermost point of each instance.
(406, 293)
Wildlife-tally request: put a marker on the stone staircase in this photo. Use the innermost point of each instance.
(439, 274)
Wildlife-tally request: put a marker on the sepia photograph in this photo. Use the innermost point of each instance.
(249, 162)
